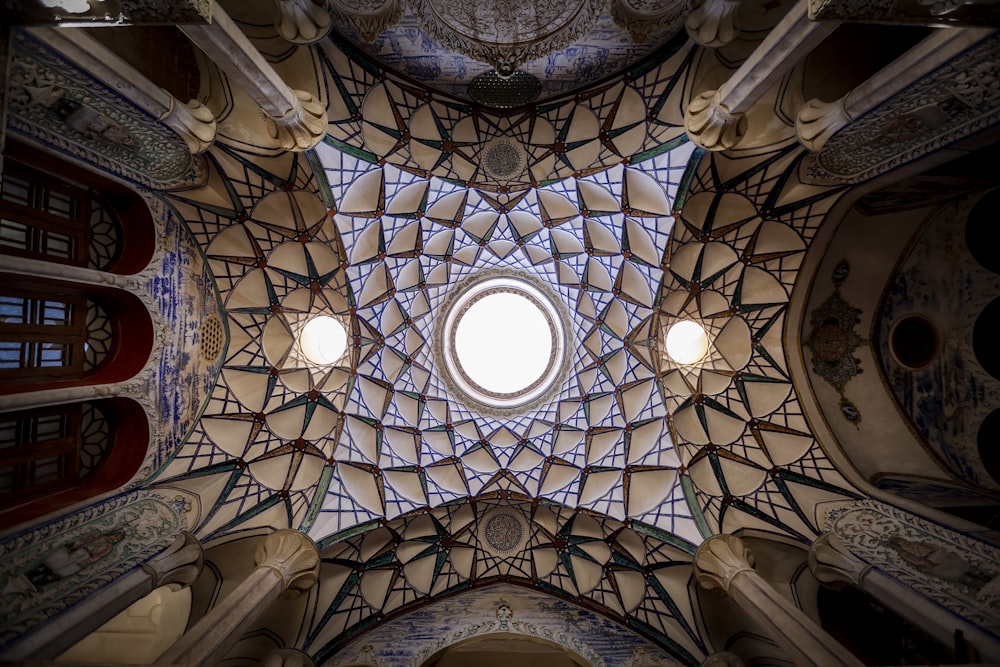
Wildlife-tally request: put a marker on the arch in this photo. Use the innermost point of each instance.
(43, 195)
(46, 337)
(44, 462)
(496, 648)
(635, 576)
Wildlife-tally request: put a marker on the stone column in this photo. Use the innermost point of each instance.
(712, 23)
(724, 562)
(296, 121)
(177, 566)
(193, 122)
(817, 121)
(834, 565)
(302, 21)
(287, 562)
(287, 657)
(715, 119)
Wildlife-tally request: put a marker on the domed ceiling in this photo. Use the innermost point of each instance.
(553, 47)
(602, 485)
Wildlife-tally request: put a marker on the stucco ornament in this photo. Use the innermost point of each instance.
(302, 21)
(369, 18)
(507, 35)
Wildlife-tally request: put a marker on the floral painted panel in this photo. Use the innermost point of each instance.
(55, 566)
(958, 572)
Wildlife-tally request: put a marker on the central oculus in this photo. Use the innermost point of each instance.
(503, 342)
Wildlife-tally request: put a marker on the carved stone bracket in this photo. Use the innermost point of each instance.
(179, 565)
(641, 18)
(723, 659)
(817, 121)
(833, 564)
(302, 127)
(294, 556)
(287, 657)
(194, 123)
(369, 19)
(287, 562)
(294, 119)
(710, 125)
(302, 21)
(712, 23)
(715, 120)
(719, 559)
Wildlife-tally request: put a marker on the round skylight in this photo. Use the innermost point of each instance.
(323, 340)
(687, 342)
(503, 342)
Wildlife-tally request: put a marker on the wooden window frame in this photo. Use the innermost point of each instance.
(39, 221)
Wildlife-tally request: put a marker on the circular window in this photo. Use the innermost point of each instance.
(323, 340)
(687, 342)
(914, 341)
(502, 341)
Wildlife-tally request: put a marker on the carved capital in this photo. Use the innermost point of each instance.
(817, 121)
(292, 555)
(710, 125)
(302, 127)
(194, 122)
(371, 20)
(640, 19)
(719, 559)
(179, 564)
(833, 563)
(723, 659)
(287, 657)
(712, 23)
(302, 21)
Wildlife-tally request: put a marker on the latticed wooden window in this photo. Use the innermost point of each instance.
(49, 448)
(39, 448)
(44, 218)
(42, 334)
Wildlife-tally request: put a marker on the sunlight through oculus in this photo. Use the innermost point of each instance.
(323, 340)
(687, 342)
(503, 342)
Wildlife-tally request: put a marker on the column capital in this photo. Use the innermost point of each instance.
(710, 124)
(817, 121)
(302, 21)
(723, 659)
(833, 563)
(302, 127)
(179, 564)
(287, 657)
(712, 23)
(293, 556)
(719, 559)
(193, 122)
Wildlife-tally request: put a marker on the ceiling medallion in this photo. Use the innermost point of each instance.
(503, 532)
(505, 35)
(502, 342)
(503, 159)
